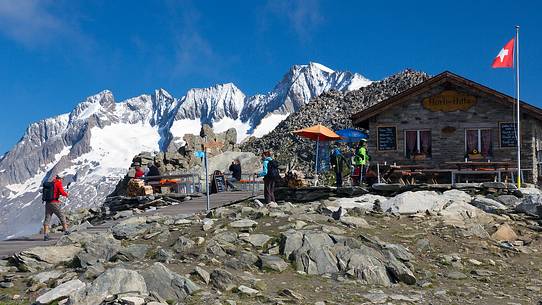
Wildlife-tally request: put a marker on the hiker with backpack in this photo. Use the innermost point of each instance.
(338, 162)
(52, 190)
(270, 173)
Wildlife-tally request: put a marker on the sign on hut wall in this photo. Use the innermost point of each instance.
(508, 134)
(387, 138)
(448, 101)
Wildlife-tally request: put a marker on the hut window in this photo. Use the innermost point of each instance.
(478, 143)
(417, 144)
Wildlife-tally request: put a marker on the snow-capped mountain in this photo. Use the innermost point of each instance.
(93, 145)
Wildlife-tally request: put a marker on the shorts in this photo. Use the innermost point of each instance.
(53, 208)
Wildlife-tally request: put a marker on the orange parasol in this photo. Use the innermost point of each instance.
(318, 133)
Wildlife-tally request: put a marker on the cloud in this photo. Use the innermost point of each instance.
(304, 16)
(28, 22)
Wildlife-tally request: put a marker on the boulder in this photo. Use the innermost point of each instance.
(510, 201)
(98, 250)
(130, 228)
(223, 280)
(183, 244)
(361, 264)
(243, 224)
(316, 255)
(272, 262)
(531, 205)
(132, 252)
(398, 270)
(132, 300)
(530, 191)
(44, 277)
(112, 282)
(62, 291)
(203, 274)
(40, 258)
(462, 214)
(247, 290)
(414, 202)
(257, 240)
(488, 205)
(457, 195)
(504, 233)
(355, 222)
(167, 284)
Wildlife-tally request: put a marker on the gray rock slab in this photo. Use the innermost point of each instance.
(167, 284)
(257, 240)
(61, 292)
(243, 224)
(272, 262)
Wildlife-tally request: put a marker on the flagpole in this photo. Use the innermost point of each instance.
(517, 110)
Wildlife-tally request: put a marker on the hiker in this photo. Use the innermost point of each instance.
(270, 174)
(236, 173)
(361, 159)
(139, 173)
(338, 160)
(51, 193)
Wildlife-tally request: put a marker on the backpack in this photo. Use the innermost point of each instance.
(48, 192)
(273, 170)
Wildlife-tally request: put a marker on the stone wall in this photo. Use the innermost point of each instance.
(449, 144)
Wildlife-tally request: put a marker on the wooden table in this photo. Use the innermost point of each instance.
(409, 171)
(478, 165)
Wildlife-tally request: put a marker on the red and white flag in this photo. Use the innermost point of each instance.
(505, 58)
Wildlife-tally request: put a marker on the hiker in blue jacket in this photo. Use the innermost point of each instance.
(270, 175)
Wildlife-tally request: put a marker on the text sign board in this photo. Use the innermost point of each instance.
(220, 183)
(508, 134)
(387, 138)
(448, 101)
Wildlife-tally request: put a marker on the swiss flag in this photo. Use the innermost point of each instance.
(505, 58)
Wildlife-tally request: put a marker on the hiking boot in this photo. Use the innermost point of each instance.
(45, 237)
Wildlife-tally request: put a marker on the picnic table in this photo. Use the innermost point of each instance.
(478, 165)
(405, 173)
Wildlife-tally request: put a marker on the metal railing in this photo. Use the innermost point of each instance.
(185, 184)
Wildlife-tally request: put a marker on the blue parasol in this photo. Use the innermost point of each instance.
(350, 135)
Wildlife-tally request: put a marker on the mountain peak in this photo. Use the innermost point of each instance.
(161, 92)
(315, 65)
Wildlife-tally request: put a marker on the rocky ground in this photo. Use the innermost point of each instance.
(417, 247)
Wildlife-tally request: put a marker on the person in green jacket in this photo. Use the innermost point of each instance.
(361, 161)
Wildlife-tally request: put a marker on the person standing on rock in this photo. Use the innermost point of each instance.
(51, 193)
(337, 164)
(270, 173)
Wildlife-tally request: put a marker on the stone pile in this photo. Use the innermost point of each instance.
(332, 109)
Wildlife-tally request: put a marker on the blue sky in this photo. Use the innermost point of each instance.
(55, 53)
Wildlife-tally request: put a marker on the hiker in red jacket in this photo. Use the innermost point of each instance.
(53, 207)
(139, 173)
